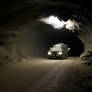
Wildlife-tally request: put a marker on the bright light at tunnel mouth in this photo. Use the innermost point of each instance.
(59, 24)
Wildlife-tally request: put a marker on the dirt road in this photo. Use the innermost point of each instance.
(43, 75)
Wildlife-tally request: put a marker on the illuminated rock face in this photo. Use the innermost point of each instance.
(87, 41)
(23, 37)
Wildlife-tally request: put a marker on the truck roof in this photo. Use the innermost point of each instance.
(60, 44)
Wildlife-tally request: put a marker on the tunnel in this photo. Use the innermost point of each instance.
(69, 38)
(28, 31)
(23, 36)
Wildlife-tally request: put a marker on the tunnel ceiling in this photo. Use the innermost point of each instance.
(22, 34)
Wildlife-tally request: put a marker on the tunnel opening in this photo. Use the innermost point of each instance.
(69, 38)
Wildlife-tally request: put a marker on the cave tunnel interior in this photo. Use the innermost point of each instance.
(34, 38)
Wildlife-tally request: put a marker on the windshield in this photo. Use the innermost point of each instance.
(56, 48)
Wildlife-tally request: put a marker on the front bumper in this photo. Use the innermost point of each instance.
(55, 56)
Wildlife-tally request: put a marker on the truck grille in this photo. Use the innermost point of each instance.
(54, 53)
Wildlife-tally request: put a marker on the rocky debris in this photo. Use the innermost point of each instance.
(87, 58)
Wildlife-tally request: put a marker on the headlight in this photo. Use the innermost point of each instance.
(60, 53)
(49, 53)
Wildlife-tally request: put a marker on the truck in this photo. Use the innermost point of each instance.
(59, 50)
